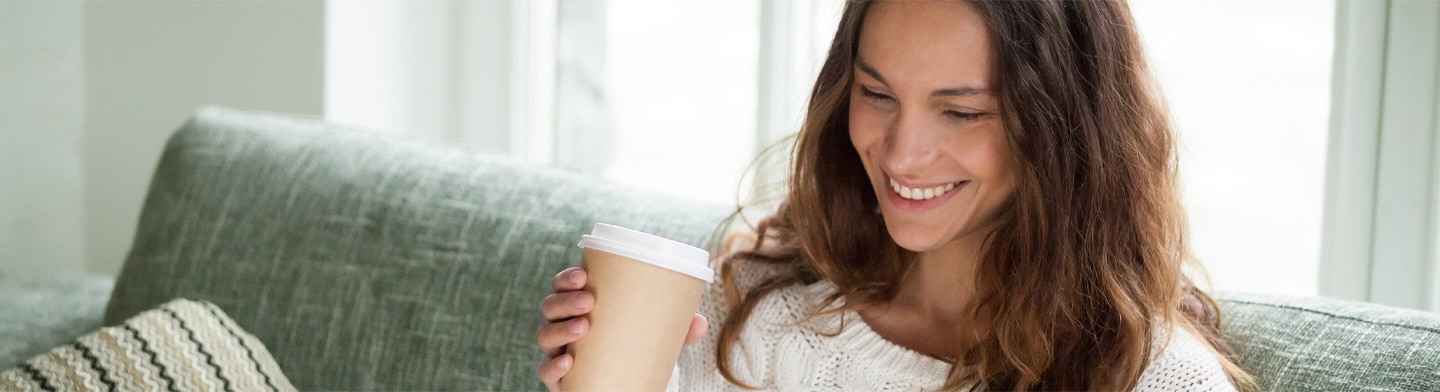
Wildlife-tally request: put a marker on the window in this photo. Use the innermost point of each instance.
(1250, 103)
(678, 97)
(660, 95)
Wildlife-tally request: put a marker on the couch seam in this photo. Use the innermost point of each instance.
(1345, 317)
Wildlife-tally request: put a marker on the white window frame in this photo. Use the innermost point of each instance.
(532, 128)
(1382, 224)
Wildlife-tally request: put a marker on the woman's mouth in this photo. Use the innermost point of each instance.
(921, 193)
(922, 198)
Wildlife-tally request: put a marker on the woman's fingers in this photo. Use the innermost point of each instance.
(568, 302)
(552, 370)
(570, 279)
(565, 305)
(554, 336)
(698, 326)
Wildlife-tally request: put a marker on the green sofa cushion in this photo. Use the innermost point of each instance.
(369, 261)
(1319, 344)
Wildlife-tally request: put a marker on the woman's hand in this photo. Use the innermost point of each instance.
(563, 311)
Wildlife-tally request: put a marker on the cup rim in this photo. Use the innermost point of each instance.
(649, 248)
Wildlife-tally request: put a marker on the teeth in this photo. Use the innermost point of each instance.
(921, 193)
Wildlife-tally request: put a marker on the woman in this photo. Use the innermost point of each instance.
(984, 197)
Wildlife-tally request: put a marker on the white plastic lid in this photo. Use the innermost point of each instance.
(649, 248)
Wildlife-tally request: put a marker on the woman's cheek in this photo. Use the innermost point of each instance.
(988, 152)
(866, 127)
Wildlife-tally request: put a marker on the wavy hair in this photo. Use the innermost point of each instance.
(1085, 263)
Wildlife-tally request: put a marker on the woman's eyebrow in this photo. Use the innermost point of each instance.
(960, 92)
(867, 69)
(944, 92)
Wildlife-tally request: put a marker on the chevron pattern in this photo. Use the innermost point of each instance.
(181, 346)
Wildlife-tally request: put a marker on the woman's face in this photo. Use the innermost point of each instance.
(925, 120)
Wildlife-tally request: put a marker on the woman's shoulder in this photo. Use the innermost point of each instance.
(745, 273)
(739, 274)
(1183, 362)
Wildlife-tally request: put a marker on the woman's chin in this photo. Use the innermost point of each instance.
(915, 241)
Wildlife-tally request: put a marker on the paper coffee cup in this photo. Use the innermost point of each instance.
(646, 289)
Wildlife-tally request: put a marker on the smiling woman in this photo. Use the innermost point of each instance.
(925, 123)
(1054, 262)
(984, 196)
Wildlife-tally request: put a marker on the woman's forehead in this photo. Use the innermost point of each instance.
(927, 42)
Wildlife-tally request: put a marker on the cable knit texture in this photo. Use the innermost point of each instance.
(777, 351)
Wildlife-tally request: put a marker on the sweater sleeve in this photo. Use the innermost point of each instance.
(1184, 364)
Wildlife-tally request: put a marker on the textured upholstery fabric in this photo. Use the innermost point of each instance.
(182, 346)
(1318, 344)
(37, 316)
(366, 261)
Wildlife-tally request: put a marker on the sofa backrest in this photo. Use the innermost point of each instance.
(1320, 344)
(369, 261)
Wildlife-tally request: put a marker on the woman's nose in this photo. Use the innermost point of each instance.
(910, 145)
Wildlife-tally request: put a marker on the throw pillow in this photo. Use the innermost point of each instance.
(181, 346)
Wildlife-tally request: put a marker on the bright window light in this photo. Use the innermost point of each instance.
(1249, 93)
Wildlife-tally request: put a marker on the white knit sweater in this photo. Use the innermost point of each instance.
(775, 352)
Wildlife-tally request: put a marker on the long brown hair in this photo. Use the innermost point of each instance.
(1086, 262)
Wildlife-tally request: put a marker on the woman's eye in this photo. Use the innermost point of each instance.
(874, 95)
(963, 116)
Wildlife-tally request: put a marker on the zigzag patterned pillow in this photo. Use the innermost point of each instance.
(181, 346)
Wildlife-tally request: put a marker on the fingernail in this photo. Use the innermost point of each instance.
(564, 363)
(581, 301)
(577, 327)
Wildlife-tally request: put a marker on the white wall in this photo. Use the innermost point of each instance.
(42, 107)
(149, 64)
(90, 91)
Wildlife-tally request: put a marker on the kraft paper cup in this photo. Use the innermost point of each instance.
(646, 289)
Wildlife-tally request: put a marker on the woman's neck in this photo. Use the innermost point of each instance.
(930, 306)
(941, 283)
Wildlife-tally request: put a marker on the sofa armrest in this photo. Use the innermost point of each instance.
(40, 315)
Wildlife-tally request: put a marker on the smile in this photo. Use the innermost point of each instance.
(921, 193)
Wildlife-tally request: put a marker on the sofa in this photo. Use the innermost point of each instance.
(367, 260)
